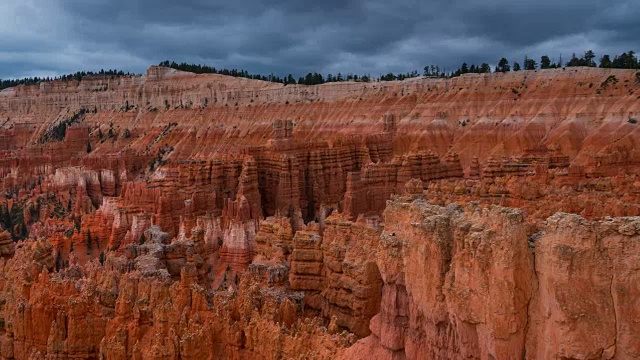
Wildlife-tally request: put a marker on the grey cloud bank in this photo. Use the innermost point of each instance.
(54, 37)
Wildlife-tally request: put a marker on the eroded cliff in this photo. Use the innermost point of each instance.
(177, 215)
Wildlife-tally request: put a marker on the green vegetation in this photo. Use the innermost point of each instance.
(545, 62)
(159, 159)
(503, 65)
(626, 60)
(59, 131)
(77, 77)
(529, 64)
(610, 80)
(12, 219)
(89, 246)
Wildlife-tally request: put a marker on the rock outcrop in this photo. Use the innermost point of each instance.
(175, 215)
(467, 282)
(7, 246)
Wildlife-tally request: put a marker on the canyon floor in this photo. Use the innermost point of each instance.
(183, 216)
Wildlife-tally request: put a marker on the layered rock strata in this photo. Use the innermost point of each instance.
(176, 215)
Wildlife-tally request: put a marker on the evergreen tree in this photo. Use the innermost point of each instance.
(625, 61)
(503, 65)
(545, 62)
(89, 244)
(605, 61)
(588, 58)
(529, 64)
(516, 66)
(59, 262)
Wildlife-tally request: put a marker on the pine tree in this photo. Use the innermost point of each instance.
(588, 58)
(503, 65)
(545, 62)
(59, 262)
(89, 244)
(605, 61)
(529, 64)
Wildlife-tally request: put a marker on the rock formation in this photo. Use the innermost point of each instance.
(467, 282)
(175, 215)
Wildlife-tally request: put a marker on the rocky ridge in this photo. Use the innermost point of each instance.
(176, 215)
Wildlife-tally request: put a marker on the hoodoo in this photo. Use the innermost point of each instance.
(176, 215)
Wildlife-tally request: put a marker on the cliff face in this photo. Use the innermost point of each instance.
(457, 282)
(177, 215)
(437, 282)
(467, 282)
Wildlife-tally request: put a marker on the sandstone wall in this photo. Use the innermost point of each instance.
(467, 282)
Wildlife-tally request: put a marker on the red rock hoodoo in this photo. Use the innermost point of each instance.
(174, 215)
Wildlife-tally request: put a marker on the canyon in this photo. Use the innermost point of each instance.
(199, 216)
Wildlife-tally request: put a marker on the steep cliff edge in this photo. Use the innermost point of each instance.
(467, 282)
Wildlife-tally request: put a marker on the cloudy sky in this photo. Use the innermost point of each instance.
(52, 37)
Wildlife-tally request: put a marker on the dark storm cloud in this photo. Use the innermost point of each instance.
(48, 37)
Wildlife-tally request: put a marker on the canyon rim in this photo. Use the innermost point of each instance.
(174, 215)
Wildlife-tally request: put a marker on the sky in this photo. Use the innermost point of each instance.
(54, 37)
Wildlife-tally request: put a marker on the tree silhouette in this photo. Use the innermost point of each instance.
(545, 62)
(503, 65)
(605, 61)
(516, 66)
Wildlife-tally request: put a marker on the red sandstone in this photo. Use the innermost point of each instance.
(221, 217)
